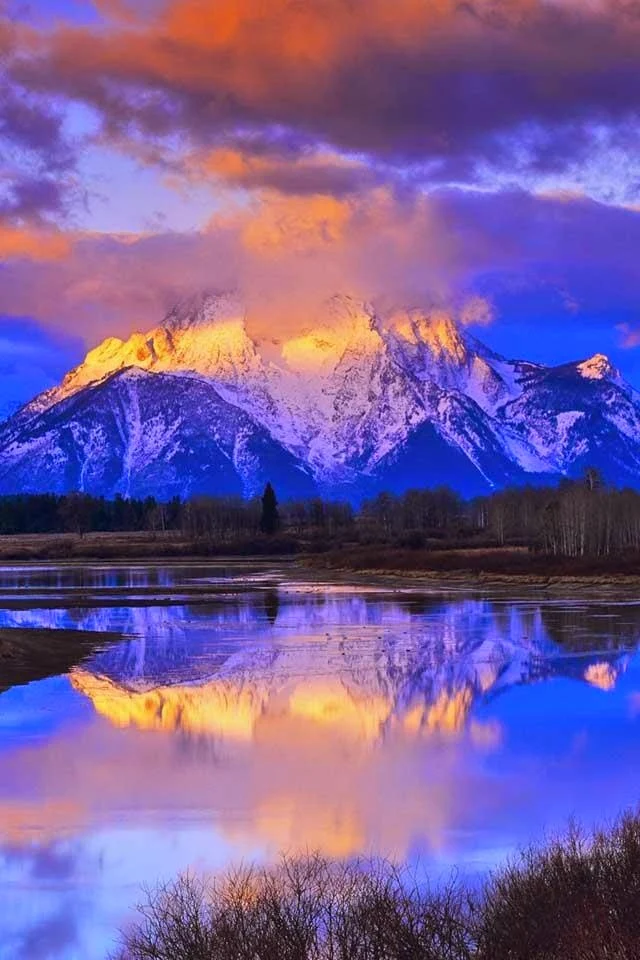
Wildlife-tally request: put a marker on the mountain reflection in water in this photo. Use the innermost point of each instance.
(278, 716)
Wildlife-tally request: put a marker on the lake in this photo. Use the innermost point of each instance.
(253, 709)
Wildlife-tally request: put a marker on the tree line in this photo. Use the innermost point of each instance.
(81, 513)
(582, 518)
(199, 518)
(576, 518)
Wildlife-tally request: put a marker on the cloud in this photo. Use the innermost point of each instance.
(286, 254)
(289, 168)
(37, 187)
(458, 91)
(477, 312)
(33, 244)
(33, 125)
(319, 126)
(629, 334)
(31, 198)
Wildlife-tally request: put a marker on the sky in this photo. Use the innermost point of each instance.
(419, 152)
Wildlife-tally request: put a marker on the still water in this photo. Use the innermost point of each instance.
(257, 709)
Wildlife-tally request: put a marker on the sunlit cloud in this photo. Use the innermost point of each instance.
(456, 88)
(416, 154)
(33, 245)
(629, 335)
(285, 255)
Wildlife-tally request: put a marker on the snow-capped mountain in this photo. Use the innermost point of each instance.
(135, 432)
(358, 401)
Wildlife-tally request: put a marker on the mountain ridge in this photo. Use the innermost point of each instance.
(355, 401)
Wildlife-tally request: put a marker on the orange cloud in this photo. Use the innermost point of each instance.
(23, 243)
(255, 165)
(441, 83)
(285, 255)
(300, 225)
(477, 311)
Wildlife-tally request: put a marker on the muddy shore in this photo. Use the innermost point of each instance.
(33, 654)
(479, 567)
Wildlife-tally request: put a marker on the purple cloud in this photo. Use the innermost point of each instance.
(450, 87)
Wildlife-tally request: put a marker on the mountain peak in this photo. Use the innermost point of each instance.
(597, 367)
(204, 309)
(435, 330)
(343, 325)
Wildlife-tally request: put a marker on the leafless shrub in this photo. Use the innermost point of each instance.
(576, 899)
(306, 909)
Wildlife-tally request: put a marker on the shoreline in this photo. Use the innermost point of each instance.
(478, 567)
(486, 578)
(473, 566)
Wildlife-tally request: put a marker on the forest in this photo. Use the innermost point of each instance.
(576, 518)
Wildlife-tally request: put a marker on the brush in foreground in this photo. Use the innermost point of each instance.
(576, 899)
(306, 909)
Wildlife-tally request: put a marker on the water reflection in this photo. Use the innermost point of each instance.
(281, 715)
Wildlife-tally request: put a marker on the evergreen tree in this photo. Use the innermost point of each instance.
(270, 518)
(76, 511)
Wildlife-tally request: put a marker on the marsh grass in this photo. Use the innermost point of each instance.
(513, 564)
(577, 898)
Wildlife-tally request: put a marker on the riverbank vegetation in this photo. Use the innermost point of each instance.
(579, 524)
(575, 899)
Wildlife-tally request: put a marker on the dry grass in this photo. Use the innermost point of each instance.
(141, 545)
(497, 563)
(516, 564)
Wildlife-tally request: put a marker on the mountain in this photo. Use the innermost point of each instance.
(138, 432)
(357, 402)
(580, 415)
